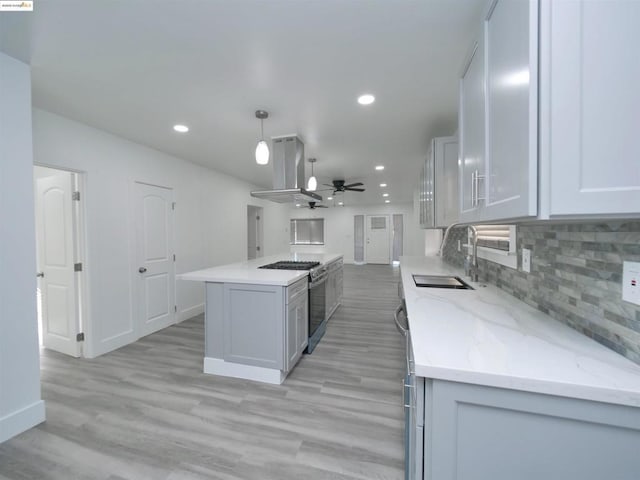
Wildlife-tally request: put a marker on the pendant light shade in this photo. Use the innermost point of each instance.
(262, 149)
(313, 182)
(262, 153)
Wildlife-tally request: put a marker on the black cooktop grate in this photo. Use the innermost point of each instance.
(291, 265)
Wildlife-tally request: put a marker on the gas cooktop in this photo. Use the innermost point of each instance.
(291, 265)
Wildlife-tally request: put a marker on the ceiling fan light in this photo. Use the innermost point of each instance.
(313, 184)
(262, 153)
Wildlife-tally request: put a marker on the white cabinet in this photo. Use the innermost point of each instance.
(472, 133)
(264, 326)
(498, 117)
(297, 323)
(590, 107)
(333, 287)
(439, 184)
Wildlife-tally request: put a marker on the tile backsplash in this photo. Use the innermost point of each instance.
(576, 277)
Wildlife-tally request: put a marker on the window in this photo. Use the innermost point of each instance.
(307, 231)
(497, 243)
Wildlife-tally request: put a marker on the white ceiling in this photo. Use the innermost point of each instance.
(135, 68)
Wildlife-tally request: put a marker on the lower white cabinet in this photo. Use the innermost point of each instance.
(297, 326)
(478, 432)
(263, 326)
(333, 288)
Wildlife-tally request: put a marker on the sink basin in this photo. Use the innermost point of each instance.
(441, 281)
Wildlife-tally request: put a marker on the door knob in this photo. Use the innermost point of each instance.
(40, 274)
(142, 269)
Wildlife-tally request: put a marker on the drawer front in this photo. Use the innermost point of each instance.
(298, 288)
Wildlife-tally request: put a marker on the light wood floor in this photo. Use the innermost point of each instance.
(147, 412)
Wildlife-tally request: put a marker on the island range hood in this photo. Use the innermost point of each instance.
(288, 173)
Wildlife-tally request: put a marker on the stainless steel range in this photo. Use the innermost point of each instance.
(317, 296)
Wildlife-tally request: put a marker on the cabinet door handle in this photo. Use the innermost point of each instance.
(142, 270)
(473, 188)
(400, 328)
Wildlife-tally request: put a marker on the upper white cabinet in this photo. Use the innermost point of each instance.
(439, 184)
(472, 132)
(499, 117)
(590, 108)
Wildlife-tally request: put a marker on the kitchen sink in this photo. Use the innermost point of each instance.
(441, 281)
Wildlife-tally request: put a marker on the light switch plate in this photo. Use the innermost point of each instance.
(631, 282)
(526, 260)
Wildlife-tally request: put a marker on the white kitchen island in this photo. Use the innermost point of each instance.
(256, 320)
(497, 389)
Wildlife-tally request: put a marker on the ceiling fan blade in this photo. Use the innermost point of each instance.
(327, 185)
(354, 189)
(358, 184)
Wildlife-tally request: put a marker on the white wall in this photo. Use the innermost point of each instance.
(338, 228)
(210, 219)
(20, 404)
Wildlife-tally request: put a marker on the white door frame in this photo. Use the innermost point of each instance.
(83, 300)
(389, 235)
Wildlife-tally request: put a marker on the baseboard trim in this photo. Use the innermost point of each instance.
(217, 366)
(190, 312)
(21, 420)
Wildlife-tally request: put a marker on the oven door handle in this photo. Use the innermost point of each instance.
(403, 331)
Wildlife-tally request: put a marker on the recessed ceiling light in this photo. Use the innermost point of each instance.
(340, 203)
(387, 201)
(366, 99)
(383, 185)
(385, 194)
(297, 204)
(380, 167)
(329, 198)
(181, 128)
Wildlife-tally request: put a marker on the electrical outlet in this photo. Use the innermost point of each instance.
(459, 246)
(526, 260)
(631, 282)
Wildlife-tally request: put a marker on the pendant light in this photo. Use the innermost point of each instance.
(262, 149)
(313, 182)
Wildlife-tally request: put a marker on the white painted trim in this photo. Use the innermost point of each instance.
(21, 420)
(217, 366)
(190, 312)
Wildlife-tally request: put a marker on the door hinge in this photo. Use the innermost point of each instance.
(77, 267)
(173, 205)
(75, 196)
(257, 217)
(174, 257)
(80, 337)
(175, 308)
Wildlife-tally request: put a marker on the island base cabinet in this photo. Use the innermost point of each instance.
(478, 432)
(257, 332)
(254, 325)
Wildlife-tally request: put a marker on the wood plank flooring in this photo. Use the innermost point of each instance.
(146, 411)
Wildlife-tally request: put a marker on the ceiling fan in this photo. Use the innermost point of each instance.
(313, 206)
(339, 186)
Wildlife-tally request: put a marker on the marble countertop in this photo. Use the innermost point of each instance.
(248, 271)
(488, 337)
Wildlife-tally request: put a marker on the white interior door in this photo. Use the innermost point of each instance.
(155, 259)
(378, 239)
(56, 274)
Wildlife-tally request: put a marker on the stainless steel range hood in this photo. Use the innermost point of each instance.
(288, 173)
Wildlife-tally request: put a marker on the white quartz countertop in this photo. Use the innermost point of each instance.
(488, 337)
(248, 271)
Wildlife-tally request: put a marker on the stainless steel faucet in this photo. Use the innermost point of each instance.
(446, 236)
(471, 260)
(471, 264)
